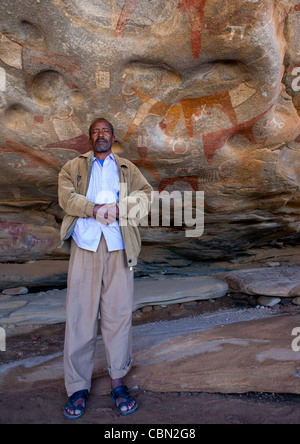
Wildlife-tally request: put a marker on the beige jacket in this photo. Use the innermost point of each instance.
(134, 200)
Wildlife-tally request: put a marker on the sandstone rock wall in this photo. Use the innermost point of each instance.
(204, 96)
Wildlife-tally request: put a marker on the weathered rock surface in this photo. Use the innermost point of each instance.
(237, 358)
(49, 307)
(177, 290)
(218, 353)
(15, 291)
(268, 301)
(277, 281)
(36, 274)
(203, 98)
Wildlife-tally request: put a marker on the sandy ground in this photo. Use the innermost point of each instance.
(44, 404)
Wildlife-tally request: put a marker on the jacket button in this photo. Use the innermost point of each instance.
(129, 261)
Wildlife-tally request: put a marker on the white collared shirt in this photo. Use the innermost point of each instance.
(104, 187)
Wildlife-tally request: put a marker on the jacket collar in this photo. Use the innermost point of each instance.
(88, 154)
(119, 160)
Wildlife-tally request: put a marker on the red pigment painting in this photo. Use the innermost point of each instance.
(20, 232)
(191, 180)
(215, 141)
(171, 113)
(37, 158)
(80, 144)
(69, 64)
(128, 9)
(195, 12)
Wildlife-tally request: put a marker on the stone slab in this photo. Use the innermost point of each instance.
(254, 356)
(278, 281)
(15, 291)
(35, 274)
(49, 307)
(268, 301)
(177, 290)
(187, 124)
(217, 353)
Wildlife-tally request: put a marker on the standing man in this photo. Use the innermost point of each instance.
(104, 197)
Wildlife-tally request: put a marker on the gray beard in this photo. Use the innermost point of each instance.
(101, 148)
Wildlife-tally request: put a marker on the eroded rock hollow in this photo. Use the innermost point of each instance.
(204, 96)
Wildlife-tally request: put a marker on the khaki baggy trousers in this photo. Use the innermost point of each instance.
(97, 281)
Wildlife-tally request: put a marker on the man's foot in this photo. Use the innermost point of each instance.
(124, 401)
(75, 407)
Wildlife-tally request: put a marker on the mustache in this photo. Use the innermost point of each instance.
(101, 147)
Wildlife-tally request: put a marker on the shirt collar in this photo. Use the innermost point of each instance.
(111, 156)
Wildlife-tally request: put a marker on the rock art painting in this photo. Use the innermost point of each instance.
(191, 109)
(128, 9)
(195, 12)
(204, 96)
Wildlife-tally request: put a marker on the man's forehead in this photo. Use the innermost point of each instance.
(101, 123)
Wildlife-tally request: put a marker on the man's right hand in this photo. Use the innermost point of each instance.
(106, 214)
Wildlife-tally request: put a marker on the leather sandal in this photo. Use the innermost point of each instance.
(123, 392)
(82, 394)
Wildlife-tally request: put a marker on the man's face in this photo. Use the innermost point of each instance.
(101, 137)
